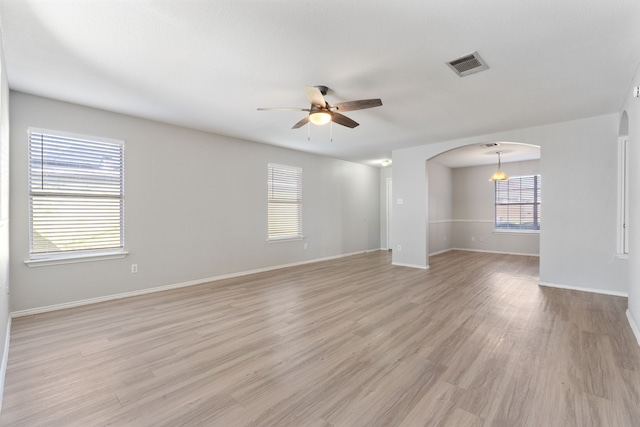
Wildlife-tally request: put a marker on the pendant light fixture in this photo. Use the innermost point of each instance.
(499, 175)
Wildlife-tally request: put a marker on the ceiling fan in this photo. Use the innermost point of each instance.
(321, 112)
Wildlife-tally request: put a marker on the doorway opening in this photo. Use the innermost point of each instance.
(462, 208)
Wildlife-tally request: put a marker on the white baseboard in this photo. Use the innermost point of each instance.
(399, 264)
(634, 327)
(55, 307)
(441, 252)
(581, 289)
(5, 359)
(495, 252)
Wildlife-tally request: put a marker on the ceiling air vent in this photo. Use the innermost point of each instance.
(468, 64)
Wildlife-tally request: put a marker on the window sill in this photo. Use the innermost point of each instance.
(284, 239)
(527, 232)
(73, 259)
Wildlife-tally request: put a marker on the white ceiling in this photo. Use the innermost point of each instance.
(475, 155)
(209, 64)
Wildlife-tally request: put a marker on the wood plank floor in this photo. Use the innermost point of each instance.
(474, 341)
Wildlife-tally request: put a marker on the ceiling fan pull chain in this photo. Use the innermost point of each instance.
(308, 133)
(331, 131)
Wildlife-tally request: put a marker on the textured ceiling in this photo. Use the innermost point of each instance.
(209, 64)
(477, 154)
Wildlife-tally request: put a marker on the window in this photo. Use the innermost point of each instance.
(623, 196)
(284, 202)
(75, 195)
(517, 203)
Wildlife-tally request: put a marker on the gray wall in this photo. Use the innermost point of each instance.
(578, 240)
(385, 174)
(632, 107)
(4, 216)
(440, 205)
(195, 207)
(473, 211)
(461, 210)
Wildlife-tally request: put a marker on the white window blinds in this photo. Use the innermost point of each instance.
(76, 190)
(284, 202)
(517, 203)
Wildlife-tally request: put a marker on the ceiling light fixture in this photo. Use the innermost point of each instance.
(385, 163)
(320, 118)
(499, 175)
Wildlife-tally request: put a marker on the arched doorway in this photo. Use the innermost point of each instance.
(461, 205)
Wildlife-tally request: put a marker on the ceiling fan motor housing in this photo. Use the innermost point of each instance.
(323, 89)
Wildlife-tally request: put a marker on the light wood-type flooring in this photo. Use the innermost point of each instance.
(474, 341)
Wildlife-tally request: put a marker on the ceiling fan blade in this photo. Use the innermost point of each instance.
(343, 120)
(301, 123)
(283, 109)
(356, 105)
(315, 96)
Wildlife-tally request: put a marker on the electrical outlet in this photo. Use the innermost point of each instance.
(399, 248)
(481, 238)
(305, 246)
(134, 268)
(473, 238)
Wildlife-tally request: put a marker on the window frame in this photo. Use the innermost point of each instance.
(622, 248)
(116, 198)
(292, 198)
(536, 204)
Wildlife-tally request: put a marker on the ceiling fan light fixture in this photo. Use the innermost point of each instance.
(499, 175)
(320, 118)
